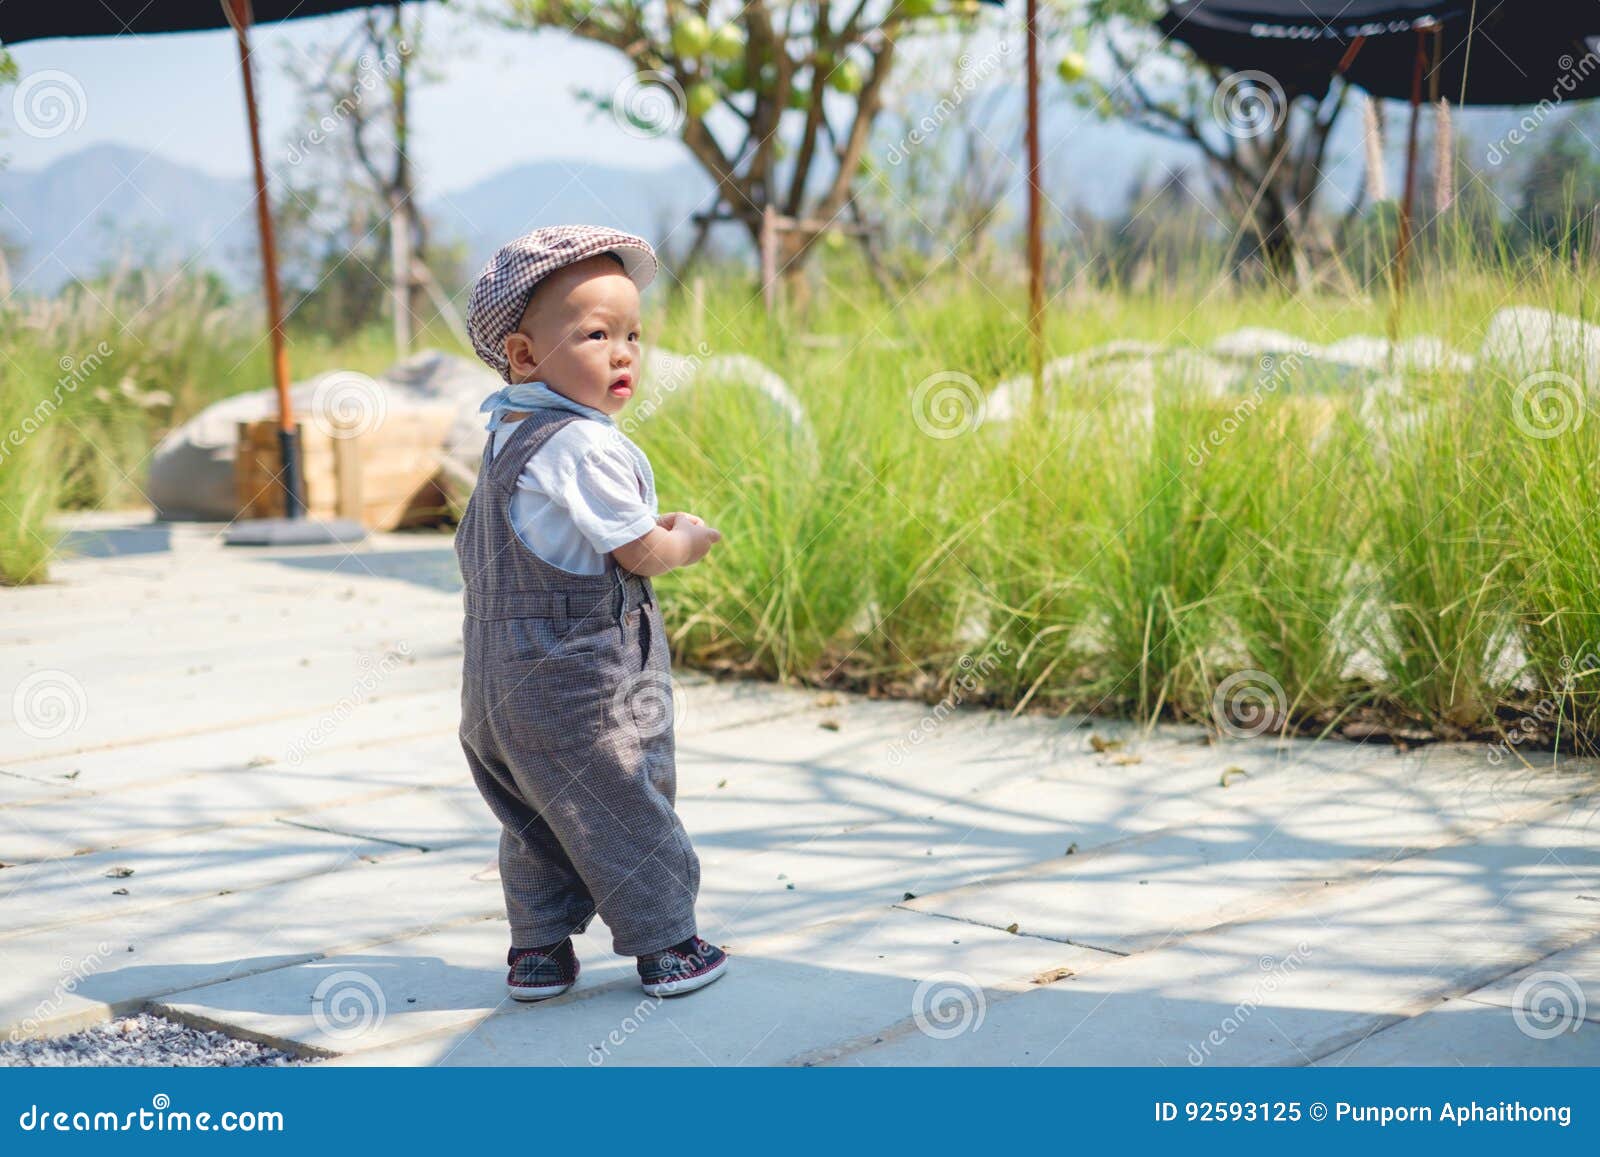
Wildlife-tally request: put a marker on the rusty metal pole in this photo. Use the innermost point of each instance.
(1035, 228)
(240, 17)
(1403, 244)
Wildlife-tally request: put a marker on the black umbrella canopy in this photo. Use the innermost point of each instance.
(1519, 53)
(35, 20)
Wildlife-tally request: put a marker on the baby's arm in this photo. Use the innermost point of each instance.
(678, 539)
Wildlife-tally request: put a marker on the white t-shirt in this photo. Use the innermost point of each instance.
(579, 498)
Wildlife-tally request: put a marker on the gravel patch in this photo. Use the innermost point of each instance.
(140, 1040)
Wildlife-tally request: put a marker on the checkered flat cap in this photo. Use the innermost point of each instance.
(501, 293)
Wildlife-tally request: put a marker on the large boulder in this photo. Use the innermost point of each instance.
(1522, 340)
(192, 468)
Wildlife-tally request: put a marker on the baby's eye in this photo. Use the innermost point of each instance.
(598, 334)
(634, 336)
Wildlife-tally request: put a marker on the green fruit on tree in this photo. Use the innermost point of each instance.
(799, 98)
(727, 43)
(734, 77)
(1072, 67)
(911, 9)
(833, 240)
(967, 7)
(691, 38)
(847, 77)
(702, 98)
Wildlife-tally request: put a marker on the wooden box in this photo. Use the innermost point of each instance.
(383, 478)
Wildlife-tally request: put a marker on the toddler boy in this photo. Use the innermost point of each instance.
(566, 700)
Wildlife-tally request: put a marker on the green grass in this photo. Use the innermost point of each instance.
(92, 379)
(1392, 558)
(1419, 555)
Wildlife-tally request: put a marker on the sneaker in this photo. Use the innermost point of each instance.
(682, 968)
(540, 973)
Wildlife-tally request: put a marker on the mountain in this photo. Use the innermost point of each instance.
(105, 203)
(648, 202)
(108, 203)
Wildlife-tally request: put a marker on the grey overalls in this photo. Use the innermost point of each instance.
(566, 721)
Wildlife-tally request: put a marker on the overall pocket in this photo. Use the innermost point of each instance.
(556, 683)
(565, 700)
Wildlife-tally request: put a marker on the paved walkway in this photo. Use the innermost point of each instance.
(231, 794)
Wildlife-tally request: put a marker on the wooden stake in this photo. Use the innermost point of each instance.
(1035, 227)
(1403, 243)
(240, 16)
(769, 258)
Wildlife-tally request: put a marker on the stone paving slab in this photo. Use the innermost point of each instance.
(179, 947)
(107, 703)
(15, 789)
(342, 722)
(259, 877)
(357, 1001)
(1563, 987)
(789, 996)
(1292, 985)
(1141, 892)
(67, 891)
(1462, 1032)
(244, 795)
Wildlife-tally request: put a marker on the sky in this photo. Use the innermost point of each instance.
(180, 96)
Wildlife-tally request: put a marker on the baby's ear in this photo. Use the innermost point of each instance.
(519, 353)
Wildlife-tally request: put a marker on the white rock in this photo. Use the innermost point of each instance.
(1522, 340)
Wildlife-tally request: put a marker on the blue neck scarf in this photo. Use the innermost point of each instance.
(533, 396)
(539, 396)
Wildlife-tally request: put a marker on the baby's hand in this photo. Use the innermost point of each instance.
(668, 521)
(701, 537)
(678, 539)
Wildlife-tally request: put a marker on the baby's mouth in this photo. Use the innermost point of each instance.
(622, 387)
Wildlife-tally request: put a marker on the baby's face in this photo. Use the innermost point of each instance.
(580, 335)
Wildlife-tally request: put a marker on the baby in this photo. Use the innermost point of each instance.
(566, 699)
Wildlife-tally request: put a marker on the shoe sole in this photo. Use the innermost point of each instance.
(690, 984)
(532, 992)
(537, 992)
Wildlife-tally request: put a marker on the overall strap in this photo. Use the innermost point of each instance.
(530, 434)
